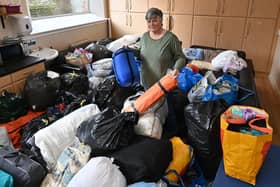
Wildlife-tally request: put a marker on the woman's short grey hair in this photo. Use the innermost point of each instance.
(153, 13)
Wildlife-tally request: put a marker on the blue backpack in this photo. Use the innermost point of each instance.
(125, 67)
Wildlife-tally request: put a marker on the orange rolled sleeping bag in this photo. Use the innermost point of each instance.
(154, 93)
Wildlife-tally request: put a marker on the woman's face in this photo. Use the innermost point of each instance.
(154, 24)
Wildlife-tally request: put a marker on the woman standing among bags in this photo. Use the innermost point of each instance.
(160, 52)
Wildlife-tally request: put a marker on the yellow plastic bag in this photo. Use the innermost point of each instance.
(182, 155)
(244, 150)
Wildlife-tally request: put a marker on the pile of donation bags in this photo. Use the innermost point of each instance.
(106, 125)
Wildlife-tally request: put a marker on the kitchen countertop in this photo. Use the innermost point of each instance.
(16, 64)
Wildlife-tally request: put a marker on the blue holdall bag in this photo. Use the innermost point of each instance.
(125, 67)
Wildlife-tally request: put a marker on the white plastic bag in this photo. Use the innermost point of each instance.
(105, 63)
(150, 122)
(123, 41)
(71, 160)
(228, 60)
(99, 172)
(53, 139)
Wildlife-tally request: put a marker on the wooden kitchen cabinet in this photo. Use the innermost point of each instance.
(163, 5)
(6, 83)
(248, 25)
(23, 73)
(220, 32)
(177, 17)
(230, 33)
(181, 26)
(19, 86)
(9, 88)
(238, 8)
(204, 30)
(129, 18)
(119, 16)
(182, 6)
(138, 5)
(15, 82)
(5, 80)
(137, 23)
(119, 23)
(19, 77)
(180, 20)
(118, 5)
(264, 8)
(128, 5)
(223, 27)
(173, 6)
(207, 7)
(127, 23)
(258, 41)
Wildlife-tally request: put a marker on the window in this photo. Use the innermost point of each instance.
(54, 8)
(54, 15)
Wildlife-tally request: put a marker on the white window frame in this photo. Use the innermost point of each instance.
(62, 15)
(97, 13)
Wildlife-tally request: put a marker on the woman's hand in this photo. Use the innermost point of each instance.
(174, 73)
